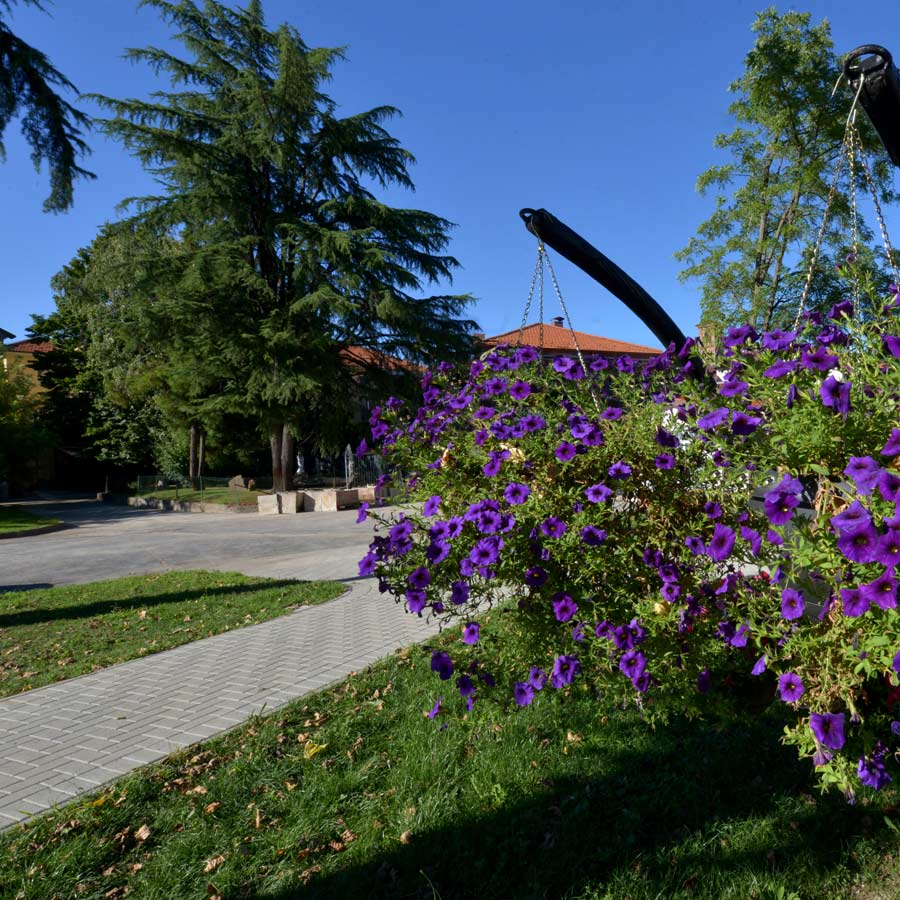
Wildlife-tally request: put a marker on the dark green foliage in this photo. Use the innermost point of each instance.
(752, 253)
(268, 252)
(52, 127)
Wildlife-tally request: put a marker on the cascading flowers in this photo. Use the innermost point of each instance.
(674, 531)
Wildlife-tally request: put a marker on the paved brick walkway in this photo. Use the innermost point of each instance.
(64, 739)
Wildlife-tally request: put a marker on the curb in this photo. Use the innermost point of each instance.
(28, 532)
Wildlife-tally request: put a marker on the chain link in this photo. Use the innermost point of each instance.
(538, 269)
(854, 212)
(885, 240)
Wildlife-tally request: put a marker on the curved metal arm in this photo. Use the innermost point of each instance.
(591, 261)
(880, 95)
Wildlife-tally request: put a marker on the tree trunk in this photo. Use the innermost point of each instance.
(282, 443)
(192, 456)
(201, 453)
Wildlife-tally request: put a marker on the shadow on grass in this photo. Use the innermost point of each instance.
(696, 812)
(101, 607)
(34, 586)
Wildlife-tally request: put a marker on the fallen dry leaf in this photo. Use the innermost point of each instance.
(213, 864)
(307, 874)
(337, 846)
(347, 836)
(142, 833)
(142, 614)
(198, 790)
(211, 807)
(406, 837)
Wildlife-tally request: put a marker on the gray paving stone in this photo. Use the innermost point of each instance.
(71, 737)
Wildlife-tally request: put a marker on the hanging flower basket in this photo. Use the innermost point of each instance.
(643, 523)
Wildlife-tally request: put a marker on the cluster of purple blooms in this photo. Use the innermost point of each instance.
(473, 544)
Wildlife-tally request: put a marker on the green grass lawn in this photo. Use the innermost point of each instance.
(56, 633)
(14, 518)
(223, 495)
(353, 793)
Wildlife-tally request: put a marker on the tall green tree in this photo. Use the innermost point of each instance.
(751, 254)
(30, 84)
(285, 255)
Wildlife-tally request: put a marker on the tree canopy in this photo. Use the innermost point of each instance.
(278, 253)
(751, 254)
(29, 84)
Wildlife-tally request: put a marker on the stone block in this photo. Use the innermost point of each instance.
(268, 504)
(237, 483)
(291, 501)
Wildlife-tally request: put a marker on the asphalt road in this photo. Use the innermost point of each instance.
(107, 541)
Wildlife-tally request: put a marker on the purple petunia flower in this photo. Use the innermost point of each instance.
(895, 663)
(520, 390)
(435, 710)
(790, 687)
(564, 607)
(736, 336)
(633, 663)
(367, 564)
(563, 364)
(565, 451)
(828, 729)
(442, 664)
(891, 344)
(892, 446)
(871, 770)
(516, 494)
(729, 388)
(882, 591)
(781, 368)
(888, 485)
(523, 693)
(793, 604)
(836, 395)
(432, 504)
(537, 678)
(485, 552)
(713, 419)
(625, 364)
(704, 681)
(535, 577)
(888, 550)
(865, 473)
(853, 602)
(593, 536)
(742, 424)
(612, 413)
(416, 600)
(471, 633)
(565, 668)
(721, 544)
(598, 493)
(781, 501)
(465, 686)
(554, 527)
(459, 592)
(695, 545)
(666, 438)
(859, 545)
(818, 359)
(777, 340)
(419, 578)
(759, 666)
(664, 461)
(619, 470)
(853, 518)
(362, 514)
(753, 537)
(712, 509)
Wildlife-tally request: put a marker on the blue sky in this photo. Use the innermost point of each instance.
(603, 113)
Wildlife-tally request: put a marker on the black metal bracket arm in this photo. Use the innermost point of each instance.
(880, 95)
(568, 243)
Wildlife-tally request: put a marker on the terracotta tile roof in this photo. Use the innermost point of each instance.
(366, 357)
(559, 340)
(29, 346)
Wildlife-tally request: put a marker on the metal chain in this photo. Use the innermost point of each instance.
(538, 268)
(817, 245)
(885, 240)
(854, 212)
(565, 310)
